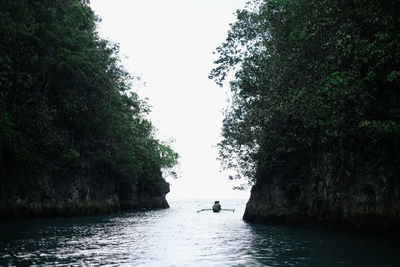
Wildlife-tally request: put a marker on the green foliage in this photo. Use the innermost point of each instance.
(65, 102)
(72, 154)
(311, 76)
(169, 159)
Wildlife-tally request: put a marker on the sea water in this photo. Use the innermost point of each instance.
(179, 236)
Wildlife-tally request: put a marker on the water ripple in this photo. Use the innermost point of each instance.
(181, 237)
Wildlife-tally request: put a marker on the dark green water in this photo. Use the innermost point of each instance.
(181, 237)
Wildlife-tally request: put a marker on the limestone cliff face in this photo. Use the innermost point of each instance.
(79, 196)
(338, 191)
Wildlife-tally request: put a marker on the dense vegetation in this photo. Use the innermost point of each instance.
(312, 76)
(66, 108)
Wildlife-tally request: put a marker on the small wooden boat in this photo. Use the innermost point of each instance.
(216, 208)
(233, 210)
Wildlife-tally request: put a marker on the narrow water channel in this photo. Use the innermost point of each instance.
(181, 237)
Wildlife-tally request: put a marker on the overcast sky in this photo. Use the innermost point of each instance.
(170, 45)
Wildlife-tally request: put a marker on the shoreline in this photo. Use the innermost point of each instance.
(24, 210)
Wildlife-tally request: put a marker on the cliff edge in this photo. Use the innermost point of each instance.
(80, 196)
(336, 191)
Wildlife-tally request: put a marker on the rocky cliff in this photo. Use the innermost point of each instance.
(337, 190)
(78, 196)
(74, 138)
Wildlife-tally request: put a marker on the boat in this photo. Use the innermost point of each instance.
(216, 208)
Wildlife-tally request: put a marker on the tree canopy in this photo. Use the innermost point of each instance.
(311, 76)
(66, 104)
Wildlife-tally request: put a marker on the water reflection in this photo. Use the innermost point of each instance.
(301, 246)
(181, 237)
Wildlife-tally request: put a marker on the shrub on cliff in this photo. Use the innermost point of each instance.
(66, 108)
(311, 76)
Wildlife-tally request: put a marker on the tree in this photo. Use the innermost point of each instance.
(66, 105)
(311, 76)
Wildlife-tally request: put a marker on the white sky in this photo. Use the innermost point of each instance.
(170, 44)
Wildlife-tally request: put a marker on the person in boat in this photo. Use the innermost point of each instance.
(216, 207)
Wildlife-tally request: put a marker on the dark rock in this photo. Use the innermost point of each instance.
(79, 196)
(342, 191)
